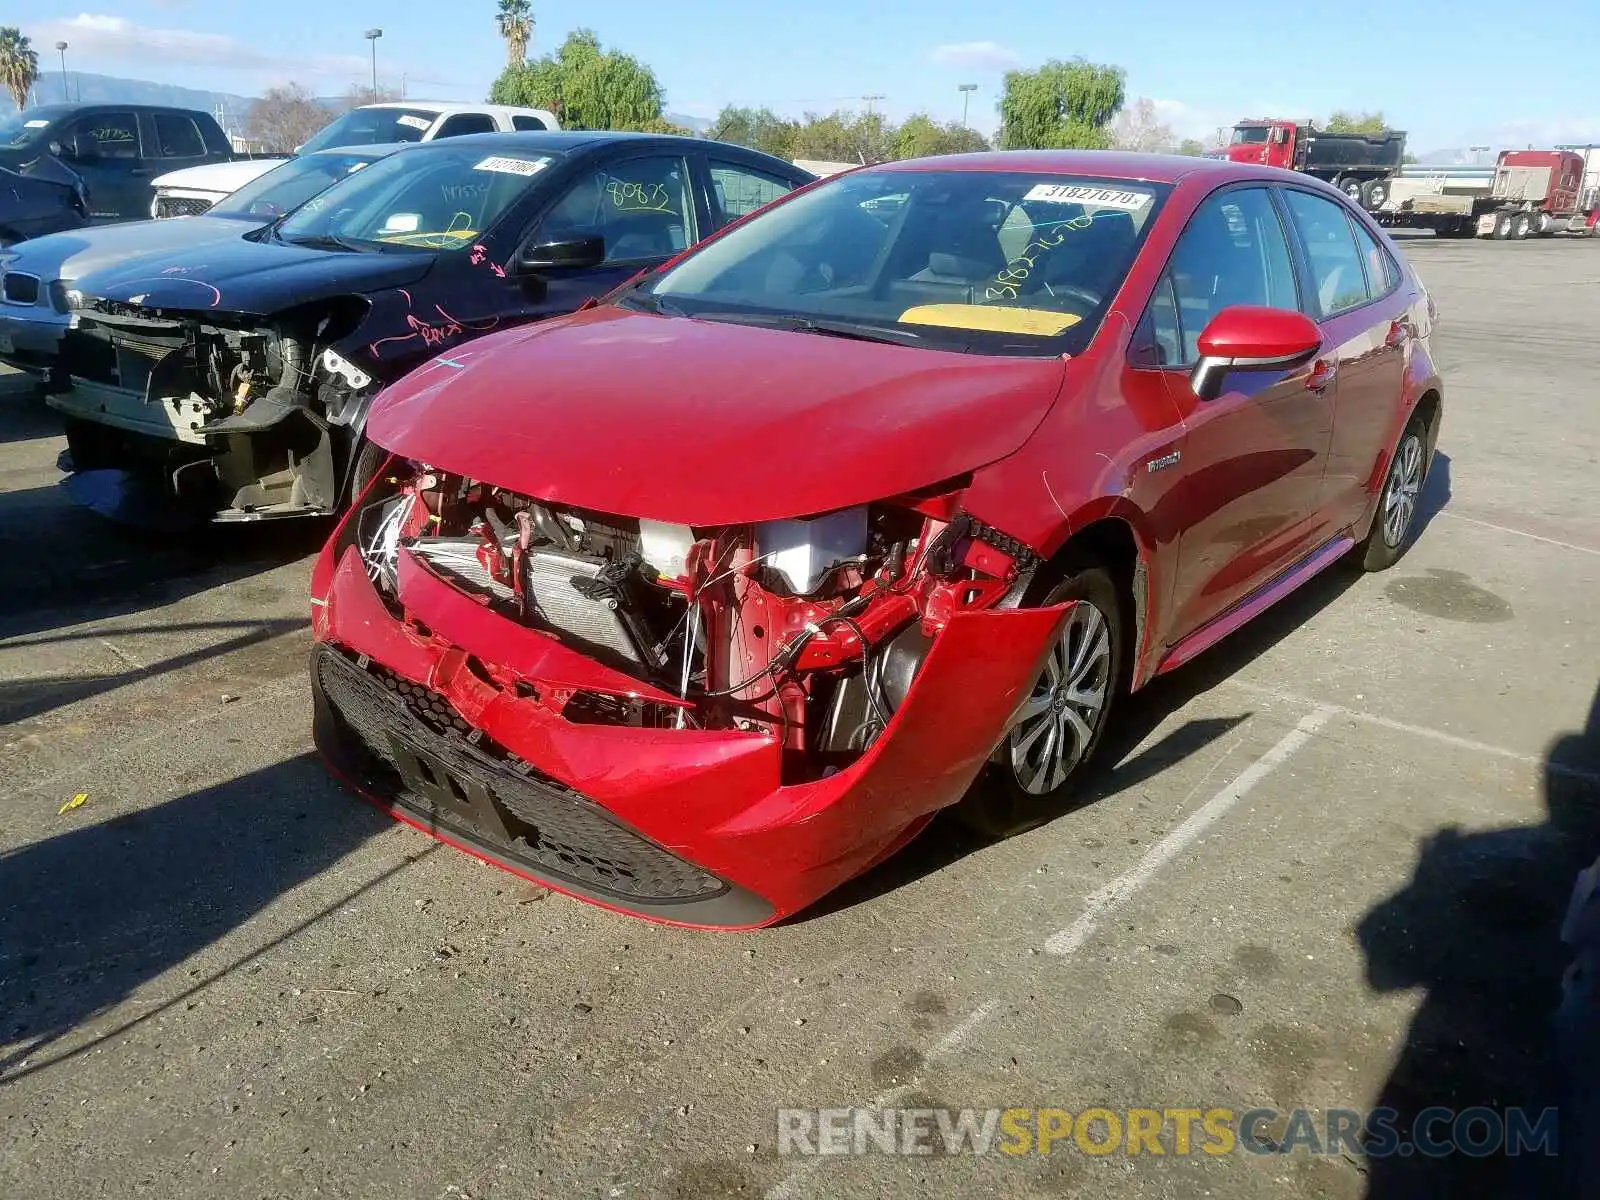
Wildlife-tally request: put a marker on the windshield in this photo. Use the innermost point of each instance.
(23, 129)
(1251, 135)
(284, 189)
(442, 196)
(372, 127)
(966, 260)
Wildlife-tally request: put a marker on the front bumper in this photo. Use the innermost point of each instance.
(174, 419)
(686, 827)
(30, 338)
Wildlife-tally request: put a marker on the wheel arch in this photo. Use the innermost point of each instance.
(1117, 538)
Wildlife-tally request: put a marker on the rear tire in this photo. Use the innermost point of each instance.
(1395, 521)
(1044, 757)
(1373, 193)
(1502, 227)
(1521, 226)
(1351, 187)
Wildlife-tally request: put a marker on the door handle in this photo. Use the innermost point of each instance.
(1323, 373)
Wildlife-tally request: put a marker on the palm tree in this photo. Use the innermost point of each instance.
(19, 64)
(516, 26)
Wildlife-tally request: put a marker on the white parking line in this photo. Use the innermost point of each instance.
(1097, 906)
(1115, 893)
(1538, 537)
(1421, 731)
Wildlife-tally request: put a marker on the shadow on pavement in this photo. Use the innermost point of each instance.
(1478, 927)
(60, 565)
(92, 915)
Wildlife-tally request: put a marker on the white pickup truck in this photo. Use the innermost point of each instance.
(193, 190)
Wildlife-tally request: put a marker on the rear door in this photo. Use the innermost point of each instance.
(1252, 459)
(1357, 299)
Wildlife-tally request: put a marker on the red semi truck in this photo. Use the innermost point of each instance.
(1530, 194)
(1360, 164)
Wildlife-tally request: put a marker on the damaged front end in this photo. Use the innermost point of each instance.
(221, 415)
(708, 726)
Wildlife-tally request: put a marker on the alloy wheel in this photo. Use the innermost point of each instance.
(1400, 497)
(1057, 724)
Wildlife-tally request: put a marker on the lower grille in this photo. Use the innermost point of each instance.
(18, 287)
(181, 206)
(421, 755)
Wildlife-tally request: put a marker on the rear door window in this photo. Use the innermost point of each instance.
(1339, 281)
(527, 124)
(178, 137)
(740, 190)
(1383, 276)
(461, 123)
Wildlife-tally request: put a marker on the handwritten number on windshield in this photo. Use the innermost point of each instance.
(1008, 283)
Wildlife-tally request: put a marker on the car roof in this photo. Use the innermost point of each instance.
(369, 150)
(1104, 164)
(447, 106)
(559, 139)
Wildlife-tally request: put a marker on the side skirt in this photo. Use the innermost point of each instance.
(1255, 603)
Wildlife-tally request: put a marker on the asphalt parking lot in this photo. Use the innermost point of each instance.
(1324, 871)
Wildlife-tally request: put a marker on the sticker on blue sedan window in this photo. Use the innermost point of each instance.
(513, 166)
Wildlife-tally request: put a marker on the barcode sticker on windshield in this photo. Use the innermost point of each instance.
(411, 122)
(1061, 193)
(513, 166)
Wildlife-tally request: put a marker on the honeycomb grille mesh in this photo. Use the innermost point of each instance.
(181, 206)
(554, 830)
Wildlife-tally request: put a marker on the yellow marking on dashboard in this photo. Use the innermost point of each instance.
(991, 318)
(432, 240)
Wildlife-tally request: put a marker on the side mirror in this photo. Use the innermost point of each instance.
(570, 253)
(1246, 337)
(57, 150)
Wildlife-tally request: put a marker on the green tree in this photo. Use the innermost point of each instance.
(19, 64)
(759, 128)
(1061, 105)
(515, 22)
(1193, 147)
(586, 86)
(1366, 122)
(920, 136)
(843, 136)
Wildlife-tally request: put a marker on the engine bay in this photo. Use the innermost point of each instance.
(250, 402)
(810, 630)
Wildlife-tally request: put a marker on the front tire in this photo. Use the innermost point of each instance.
(1396, 518)
(1045, 754)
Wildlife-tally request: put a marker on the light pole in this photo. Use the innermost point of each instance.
(66, 97)
(966, 90)
(372, 35)
(1477, 150)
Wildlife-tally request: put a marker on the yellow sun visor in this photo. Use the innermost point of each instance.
(991, 318)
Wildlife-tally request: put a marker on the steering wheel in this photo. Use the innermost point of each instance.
(1073, 292)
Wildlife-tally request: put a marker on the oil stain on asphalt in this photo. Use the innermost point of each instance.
(1449, 595)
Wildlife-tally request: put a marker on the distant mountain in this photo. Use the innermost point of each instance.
(84, 88)
(699, 124)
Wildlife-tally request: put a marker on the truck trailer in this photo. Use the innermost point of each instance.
(1528, 193)
(1360, 164)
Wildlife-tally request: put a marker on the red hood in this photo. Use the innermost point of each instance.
(708, 423)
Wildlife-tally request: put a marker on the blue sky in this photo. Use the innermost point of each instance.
(1471, 79)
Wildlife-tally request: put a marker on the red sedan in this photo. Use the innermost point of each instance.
(700, 602)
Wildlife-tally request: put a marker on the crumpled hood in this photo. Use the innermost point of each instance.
(246, 276)
(77, 253)
(708, 423)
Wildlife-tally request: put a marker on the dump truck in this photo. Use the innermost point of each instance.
(1528, 193)
(1359, 164)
